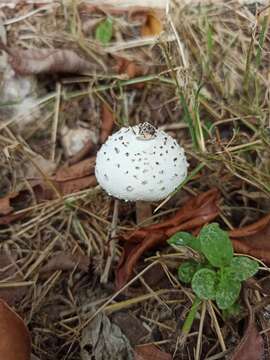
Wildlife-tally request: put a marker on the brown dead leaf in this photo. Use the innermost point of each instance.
(104, 340)
(251, 345)
(128, 67)
(150, 352)
(83, 168)
(5, 207)
(107, 122)
(37, 61)
(253, 239)
(72, 186)
(192, 215)
(66, 262)
(8, 219)
(131, 70)
(153, 25)
(15, 342)
(68, 180)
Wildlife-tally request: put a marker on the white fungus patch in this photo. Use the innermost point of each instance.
(73, 140)
(140, 163)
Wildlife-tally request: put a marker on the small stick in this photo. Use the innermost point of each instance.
(199, 338)
(112, 241)
(56, 119)
(216, 325)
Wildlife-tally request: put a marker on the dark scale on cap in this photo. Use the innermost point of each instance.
(160, 182)
(132, 160)
(166, 151)
(116, 150)
(161, 147)
(145, 171)
(137, 167)
(127, 172)
(118, 165)
(124, 144)
(172, 147)
(174, 159)
(104, 153)
(155, 147)
(157, 163)
(154, 176)
(127, 154)
(144, 182)
(108, 159)
(121, 138)
(163, 188)
(161, 172)
(106, 177)
(135, 176)
(140, 159)
(160, 154)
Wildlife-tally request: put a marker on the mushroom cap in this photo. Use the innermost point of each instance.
(140, 163)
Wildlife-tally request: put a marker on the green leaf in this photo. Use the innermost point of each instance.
(227, 292)
(187, 270)
(104, 31)
(233, 311)
(181, 239)
(185, 239)
(244, 267)
(216, 245)
(204, 283)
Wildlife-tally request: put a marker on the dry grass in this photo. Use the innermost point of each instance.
(212, 94)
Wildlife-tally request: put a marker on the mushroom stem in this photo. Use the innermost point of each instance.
(112, 243)
(143, 212)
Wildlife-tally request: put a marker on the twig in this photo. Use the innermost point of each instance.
(112, 242)
(56, 119)
(216, 325)
(199, 338)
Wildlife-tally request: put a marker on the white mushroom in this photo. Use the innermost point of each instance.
(140, 163)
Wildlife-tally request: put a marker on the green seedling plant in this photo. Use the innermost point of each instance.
(217, 274)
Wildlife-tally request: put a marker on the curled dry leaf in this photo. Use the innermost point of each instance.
(251, 346)
(68, 180)
(153, 25)
(37, 61)
(104, 340)
(131, 70)
(150, 352)
(5, 206)
(107, 122)
(15, 342)
(192, 215)
(83, 168)
(128, 67)
(253, 239)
